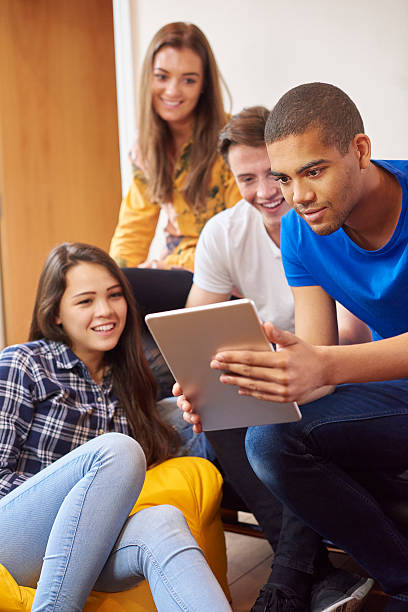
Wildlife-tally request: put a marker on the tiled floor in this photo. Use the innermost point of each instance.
(249, 562)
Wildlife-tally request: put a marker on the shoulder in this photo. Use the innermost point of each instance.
(297, 238)
(31, 356)
(291, 227)
(21, 361)
(225, 221)
(23, 352)
(242, 211)
(396, 166)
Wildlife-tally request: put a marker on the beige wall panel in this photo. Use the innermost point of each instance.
(59, 151)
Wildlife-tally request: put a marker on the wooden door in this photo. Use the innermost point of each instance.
(59, 149)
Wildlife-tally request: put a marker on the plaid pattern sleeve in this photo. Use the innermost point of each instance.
(49, 405)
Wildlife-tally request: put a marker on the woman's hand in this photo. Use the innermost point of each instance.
(160, 264)
(153, 264)
(295, 372)
(188, 410)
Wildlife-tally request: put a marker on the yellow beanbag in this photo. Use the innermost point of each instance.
(191, 484)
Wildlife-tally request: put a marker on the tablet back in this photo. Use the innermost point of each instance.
(189, 338)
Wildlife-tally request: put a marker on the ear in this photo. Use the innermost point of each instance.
(58, 320)
(362, 146)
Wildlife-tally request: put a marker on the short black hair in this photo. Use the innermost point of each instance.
(318, 105)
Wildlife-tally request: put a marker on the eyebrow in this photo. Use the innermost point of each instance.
(184, 73)
(94, 292)
(245, 174)
(311, 164)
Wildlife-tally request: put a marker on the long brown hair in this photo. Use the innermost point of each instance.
(133, 382)
(154, 133)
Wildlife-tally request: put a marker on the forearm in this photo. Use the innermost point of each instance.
(136, 227)
(373, 361)
(201, 297)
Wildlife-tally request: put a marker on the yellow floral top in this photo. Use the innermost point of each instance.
(138, 216)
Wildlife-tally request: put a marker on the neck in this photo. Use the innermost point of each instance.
(96, 366)
(181, 133)
(374, 219)
(274, 233)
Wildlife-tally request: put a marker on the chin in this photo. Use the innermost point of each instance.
(324, 230)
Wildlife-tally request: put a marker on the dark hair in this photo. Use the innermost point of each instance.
(318, 105)
(244, 128)
(133, 382)
(154, 137)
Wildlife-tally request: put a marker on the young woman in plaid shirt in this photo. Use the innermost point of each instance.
(73, 402)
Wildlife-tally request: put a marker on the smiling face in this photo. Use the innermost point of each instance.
(321, 184)
(92, 311)
(252, 172)
(177, 82)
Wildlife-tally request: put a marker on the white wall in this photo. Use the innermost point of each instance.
(264, 47)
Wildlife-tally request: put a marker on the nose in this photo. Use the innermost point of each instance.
(302, 194)
(172, 87)
(103, 308)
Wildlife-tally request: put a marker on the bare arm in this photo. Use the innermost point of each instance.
(201, 297)
(315, 316)
(351, 329)
(310, 361)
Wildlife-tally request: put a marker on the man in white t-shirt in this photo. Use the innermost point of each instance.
(238, 249)
(238, 253)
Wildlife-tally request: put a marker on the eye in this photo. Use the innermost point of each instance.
(190, 81)
(314, 172)
(283, 180)
(159, 77)
(84, 301)
(116, 294)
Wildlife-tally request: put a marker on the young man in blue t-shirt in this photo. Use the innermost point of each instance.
(340, 468)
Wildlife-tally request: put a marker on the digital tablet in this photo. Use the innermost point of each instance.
(189, 338)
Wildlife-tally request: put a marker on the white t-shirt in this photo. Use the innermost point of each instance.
(235, 251)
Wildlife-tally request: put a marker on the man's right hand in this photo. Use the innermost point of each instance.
(188, 410)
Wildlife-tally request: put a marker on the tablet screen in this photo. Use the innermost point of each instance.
(189, 338)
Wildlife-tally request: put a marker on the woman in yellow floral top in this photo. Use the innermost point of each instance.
(177, 168)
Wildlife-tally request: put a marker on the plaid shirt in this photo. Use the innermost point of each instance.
(49, 405)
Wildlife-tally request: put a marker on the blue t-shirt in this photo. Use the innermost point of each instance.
(373, 285)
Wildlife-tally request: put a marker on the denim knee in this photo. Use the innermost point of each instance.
(163, 517)
(124, 454)
(266, 447)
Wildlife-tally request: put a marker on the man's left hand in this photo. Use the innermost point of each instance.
(295, 372)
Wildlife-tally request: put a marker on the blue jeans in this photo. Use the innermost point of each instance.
(68, 525)
(229, 448)
(192, 444)
(339, 468)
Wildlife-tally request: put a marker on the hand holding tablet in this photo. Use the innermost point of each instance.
(190, 338)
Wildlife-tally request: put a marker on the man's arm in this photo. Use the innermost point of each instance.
(319, 320)
(310, 361)
(315, 316)
(201, 297)
(351, 329)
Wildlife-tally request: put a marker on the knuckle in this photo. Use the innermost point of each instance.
(246, 370)
(283, 379)
(286, 395)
